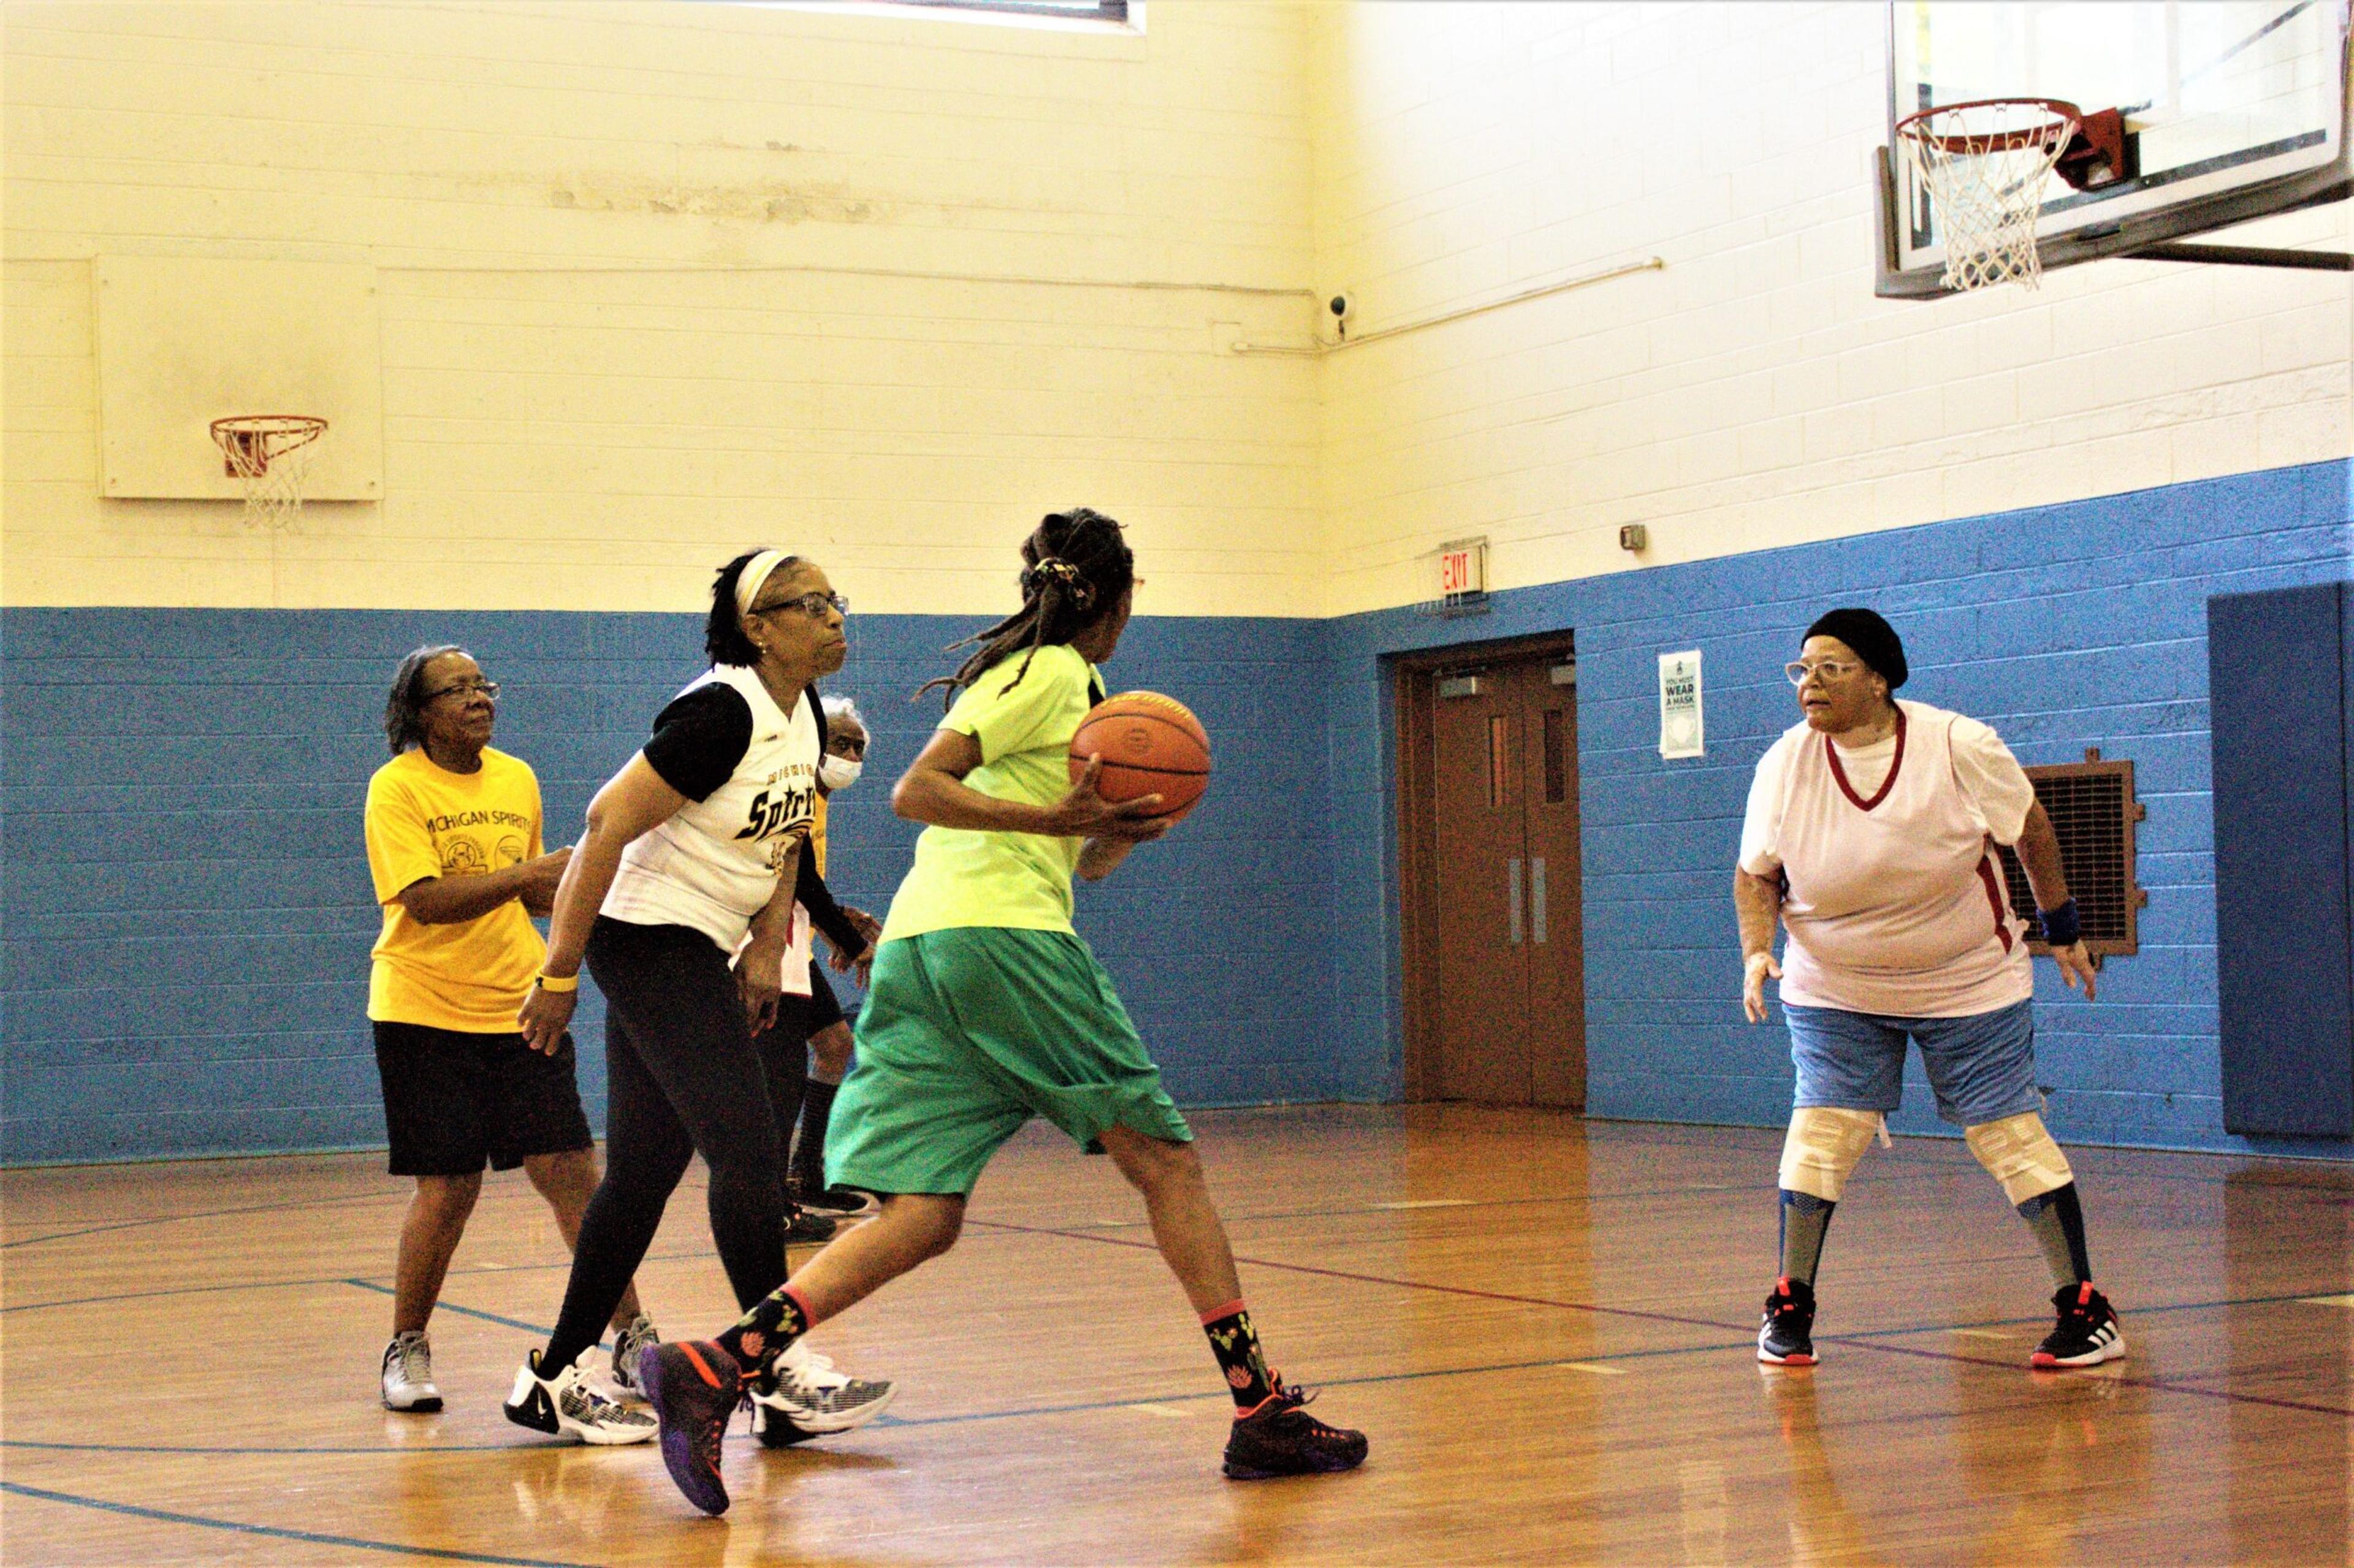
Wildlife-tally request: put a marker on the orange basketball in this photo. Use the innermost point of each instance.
(1151, 745)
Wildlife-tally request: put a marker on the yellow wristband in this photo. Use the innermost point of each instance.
(558, 985)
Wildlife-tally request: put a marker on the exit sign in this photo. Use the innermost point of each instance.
(1463, 571)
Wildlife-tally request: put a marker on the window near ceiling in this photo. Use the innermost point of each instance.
(1075, 10)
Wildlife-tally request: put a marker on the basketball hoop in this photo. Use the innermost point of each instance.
(269, 454)
(1984, 165)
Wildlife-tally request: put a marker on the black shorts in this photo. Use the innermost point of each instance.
(452, 1101)
(811, 1015)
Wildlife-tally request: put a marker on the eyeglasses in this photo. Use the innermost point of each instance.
(1828, 669)
(848, 746)
(810, 604)
(466, 688)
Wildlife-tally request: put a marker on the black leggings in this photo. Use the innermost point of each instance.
(684, 1077)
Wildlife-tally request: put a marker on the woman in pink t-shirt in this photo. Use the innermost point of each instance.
(1870, 833)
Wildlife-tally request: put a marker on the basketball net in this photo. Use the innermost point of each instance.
(269, 456)
(1984, 165)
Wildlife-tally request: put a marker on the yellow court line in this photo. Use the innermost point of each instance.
(1428, 1204)
(2327, 1300)
(1980, 1334)
(1597, 1370)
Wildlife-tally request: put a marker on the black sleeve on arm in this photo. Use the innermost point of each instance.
(700, 738)
(813, 896)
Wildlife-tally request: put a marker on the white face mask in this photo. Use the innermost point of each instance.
(838, 773)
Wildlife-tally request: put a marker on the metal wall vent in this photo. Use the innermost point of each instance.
(2091, 806)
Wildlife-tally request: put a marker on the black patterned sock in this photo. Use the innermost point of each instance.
(1805, 1218)
(2057, 1218)
(761, 1335)
(809, 1153)
(1235, 1344)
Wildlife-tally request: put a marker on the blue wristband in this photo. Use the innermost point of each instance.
(2061, 926)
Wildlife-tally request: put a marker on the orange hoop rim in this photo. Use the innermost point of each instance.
(2065, 120)
(250, 443)
(310, 427)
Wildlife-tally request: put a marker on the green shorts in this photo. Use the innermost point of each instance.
(969, 1033)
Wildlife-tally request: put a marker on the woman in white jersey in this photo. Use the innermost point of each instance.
(692, 852)
(1870, 833)
(986, 1009)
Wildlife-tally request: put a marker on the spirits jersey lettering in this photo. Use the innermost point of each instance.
(749, 773)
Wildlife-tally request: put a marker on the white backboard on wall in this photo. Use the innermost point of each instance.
(183, 341)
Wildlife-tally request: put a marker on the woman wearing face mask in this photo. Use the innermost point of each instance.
(693, 851)
(852, 938)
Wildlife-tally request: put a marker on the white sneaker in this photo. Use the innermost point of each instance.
(408, 1378)
(628, 1346)
(565, 1404)
(807, 1398)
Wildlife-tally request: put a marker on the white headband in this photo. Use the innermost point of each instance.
(754, 576)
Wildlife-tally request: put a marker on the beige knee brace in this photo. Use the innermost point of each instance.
(2019, 1153)
(1822, 1147)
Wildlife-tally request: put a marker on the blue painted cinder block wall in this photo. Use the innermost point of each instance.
(185, 905)
(185, 913)
(2065, 627)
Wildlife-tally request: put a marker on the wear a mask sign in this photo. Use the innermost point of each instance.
(1679, 715)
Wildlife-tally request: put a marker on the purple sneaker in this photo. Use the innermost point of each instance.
(694, 1387)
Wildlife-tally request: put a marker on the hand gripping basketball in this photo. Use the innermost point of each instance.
(1145, 743)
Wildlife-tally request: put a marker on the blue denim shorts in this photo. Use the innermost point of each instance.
(1982, 1066)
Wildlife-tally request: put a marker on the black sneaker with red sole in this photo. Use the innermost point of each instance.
(1787, 1336)
(1280, 1438)
(2086, 1334)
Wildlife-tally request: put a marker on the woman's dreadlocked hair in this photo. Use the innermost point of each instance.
(1075, 566)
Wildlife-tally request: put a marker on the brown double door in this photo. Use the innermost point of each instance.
(1504, 948)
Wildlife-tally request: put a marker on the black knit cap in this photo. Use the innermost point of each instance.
(1874, 640)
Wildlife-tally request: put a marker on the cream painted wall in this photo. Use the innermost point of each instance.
(662, 277)
(1754, 393)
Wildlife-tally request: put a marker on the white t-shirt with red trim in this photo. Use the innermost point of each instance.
(1894, 899)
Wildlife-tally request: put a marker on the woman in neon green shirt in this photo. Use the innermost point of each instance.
(986, 1009)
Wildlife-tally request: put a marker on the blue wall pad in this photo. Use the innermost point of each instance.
(2284, 946)
(188, 913)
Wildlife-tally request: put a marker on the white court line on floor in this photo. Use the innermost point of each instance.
(1166, 1411)
(2326, 1300)
(1981, 1334)
(1596, 1369)
(1427, 1203)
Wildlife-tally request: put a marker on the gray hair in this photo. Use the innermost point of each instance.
(837, 707)
(404, 708)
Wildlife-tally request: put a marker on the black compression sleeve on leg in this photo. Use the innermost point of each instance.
(1805, 1218)
(2057, 1218)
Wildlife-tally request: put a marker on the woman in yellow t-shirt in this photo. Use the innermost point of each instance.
(453, 846)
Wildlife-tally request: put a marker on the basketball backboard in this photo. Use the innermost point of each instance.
(2231, 110)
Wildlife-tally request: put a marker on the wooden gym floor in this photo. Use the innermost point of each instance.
(1545, 1324)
